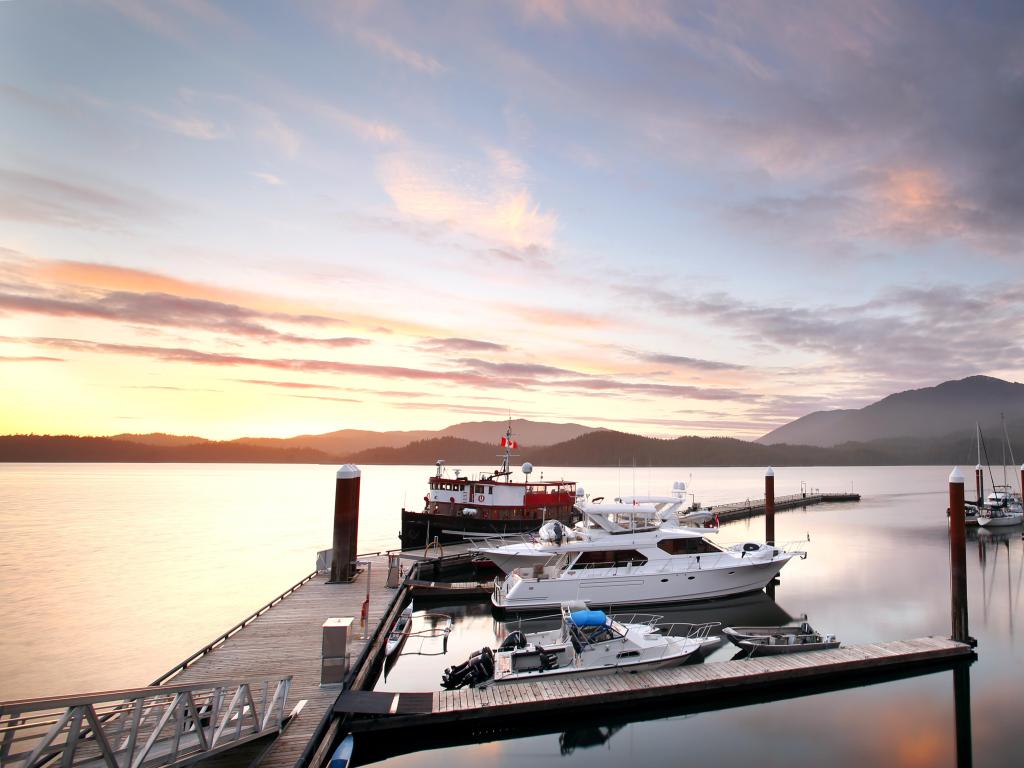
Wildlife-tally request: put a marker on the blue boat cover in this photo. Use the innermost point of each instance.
(588, 618)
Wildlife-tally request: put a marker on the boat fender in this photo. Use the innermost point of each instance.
(751, 547)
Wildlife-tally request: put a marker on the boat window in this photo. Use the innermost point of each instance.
(692, 546)
(609, 558)
(490, 490)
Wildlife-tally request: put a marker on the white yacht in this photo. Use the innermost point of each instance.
(664, 565)
(631, 515)
(587, 643)
(1002, 507)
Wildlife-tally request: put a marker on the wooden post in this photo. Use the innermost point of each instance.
(979, 483)
(346, 524)
(958, 557)
(769, 506)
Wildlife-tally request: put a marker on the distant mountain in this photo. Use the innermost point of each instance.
(951, 408)
(97, 449)
(160, 439)
(351, 441)
(602, 448)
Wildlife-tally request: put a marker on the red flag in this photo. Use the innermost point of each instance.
(504, 442)
(515, 444)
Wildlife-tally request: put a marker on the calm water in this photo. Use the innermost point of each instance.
(113, 573)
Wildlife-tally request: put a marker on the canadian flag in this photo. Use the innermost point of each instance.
(504, 442)
(515, 443)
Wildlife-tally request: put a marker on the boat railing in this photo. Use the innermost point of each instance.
(689, 630)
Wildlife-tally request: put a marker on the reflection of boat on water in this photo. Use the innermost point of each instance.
(752, 609)
(772, 641)
(588, 642)
(587, 736)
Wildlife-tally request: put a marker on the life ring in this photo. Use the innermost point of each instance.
(480, 498)
(485, 514)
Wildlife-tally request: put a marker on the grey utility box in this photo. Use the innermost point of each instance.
(334, 656)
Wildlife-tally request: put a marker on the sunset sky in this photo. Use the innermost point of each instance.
(253, 218)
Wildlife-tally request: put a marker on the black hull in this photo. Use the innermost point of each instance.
(415, 527)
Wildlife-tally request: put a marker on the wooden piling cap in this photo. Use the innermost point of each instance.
(348, 472)
(956, 476)
(769, 472)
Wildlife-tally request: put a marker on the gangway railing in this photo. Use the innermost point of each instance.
(153, 727)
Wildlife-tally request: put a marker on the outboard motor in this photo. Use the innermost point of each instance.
(477, 669)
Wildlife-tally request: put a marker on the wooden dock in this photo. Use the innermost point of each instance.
(286, 639)
(751, 507)
(501, 702)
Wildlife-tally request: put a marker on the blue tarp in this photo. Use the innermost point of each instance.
(588, 618)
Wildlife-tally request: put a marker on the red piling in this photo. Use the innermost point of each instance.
(979, 483)
(769, 506)
(346, 523)
(958, 557)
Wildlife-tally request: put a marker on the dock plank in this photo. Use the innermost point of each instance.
(287, 640)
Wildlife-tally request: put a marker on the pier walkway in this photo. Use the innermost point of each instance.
(750, 507)
(285, 638)
(497, 702)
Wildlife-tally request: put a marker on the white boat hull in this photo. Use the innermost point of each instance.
(1014, 518)
(635, 586)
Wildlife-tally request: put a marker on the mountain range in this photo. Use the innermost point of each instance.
(951, 408)
(934, 425)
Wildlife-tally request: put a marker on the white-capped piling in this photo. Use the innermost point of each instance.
(346, 523)
(769, 506)
(958, 557)
(979, 483)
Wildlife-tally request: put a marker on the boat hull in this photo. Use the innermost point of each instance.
(420, 528)
(635, 587)
(1000, 522)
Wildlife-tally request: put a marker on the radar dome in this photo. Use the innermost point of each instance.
(527, 468)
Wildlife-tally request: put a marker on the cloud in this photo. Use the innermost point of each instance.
(192, 127)
(30, 359)
(171, 311)
(686, 362)
(450, 345)
(390, 47)
(268, 178)
(479, 201)
(376, 131)
(37, 198)
(899, 338)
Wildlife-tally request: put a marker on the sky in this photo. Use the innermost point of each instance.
(257, 218)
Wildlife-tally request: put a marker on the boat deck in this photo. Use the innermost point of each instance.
(721, 678)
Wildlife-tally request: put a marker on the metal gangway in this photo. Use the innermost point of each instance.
(153, 727)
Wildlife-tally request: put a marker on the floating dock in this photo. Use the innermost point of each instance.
(500, 702)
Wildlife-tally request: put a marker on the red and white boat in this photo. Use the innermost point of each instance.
(488, 505)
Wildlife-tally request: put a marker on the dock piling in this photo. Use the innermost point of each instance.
(958, 558)
(769, 506)
(979, 483)
(346, 524)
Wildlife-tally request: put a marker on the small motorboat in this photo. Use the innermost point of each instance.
(769, 641)
(587, 643)
(342, 756)
(400, 631)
